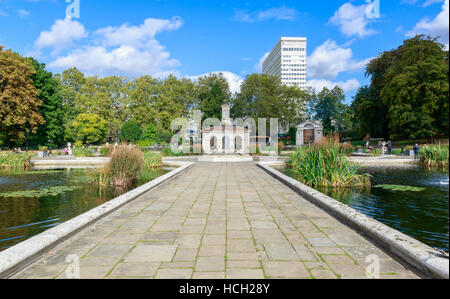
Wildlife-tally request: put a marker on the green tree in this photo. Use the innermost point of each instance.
(90, 128)
(331, 110)
(416, 89)
(264, 96)
(408, 93)
(107, 97)
(51, 109)
(130, 131)
(71, 82)
(151, 133)
(213, 91)
(19, 101)
(370, 113)
(175, 99)
(142, 98)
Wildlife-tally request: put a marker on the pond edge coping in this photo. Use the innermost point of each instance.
(415, 253)
(25, 253)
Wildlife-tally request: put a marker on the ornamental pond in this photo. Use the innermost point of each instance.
(34, 201)
(420, 208)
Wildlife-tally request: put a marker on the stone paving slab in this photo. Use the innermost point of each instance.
(217, 220)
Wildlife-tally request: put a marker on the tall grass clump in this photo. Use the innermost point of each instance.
(325, 164)
(13, 161)
(125, 165)
(82, 152)
(151, 162)
(435, 156)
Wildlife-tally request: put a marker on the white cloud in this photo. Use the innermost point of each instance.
(125, 50)
(61, 35)
(259, 66)
(435, 27)
(234, 81)
(281, 13)
(352, 20)
(23, 13)
(425, 4)
(137, 36)
(124, 60)
(329, 59)
(346, 86)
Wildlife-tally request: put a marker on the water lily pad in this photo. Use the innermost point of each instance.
(401, 188)
(51, 191)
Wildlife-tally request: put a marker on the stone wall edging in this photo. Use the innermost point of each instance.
(21, 255)
(417, 254)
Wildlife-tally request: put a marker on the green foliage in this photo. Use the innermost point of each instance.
(151, 162)
(325, 165)
(14, 161)
(264, 96)
(130, 131)
(51, 191)
(82, 152)
(106, 151)
(370, 113)
(330, 109)
(213, 92)
(435, 156)
(408, 94)
(52, 106)
(401, 188)
(167, 152)
(90, 128)
(19, 102)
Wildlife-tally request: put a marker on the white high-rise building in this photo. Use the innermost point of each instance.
(288, 61)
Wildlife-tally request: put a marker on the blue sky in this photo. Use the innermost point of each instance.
(191, 38)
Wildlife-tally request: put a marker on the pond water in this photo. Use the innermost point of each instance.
(423, 215)
(65, 194)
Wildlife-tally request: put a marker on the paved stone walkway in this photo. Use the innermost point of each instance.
(217, 221)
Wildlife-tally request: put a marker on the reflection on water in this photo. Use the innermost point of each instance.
(422, 215)
(22, 218)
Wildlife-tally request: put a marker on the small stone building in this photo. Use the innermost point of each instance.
(226, 138)
(309, 132)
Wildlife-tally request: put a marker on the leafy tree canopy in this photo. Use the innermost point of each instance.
(19, 101)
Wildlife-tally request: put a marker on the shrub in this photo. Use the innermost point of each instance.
(167, 152)
(145, 143)
(78, 143)
(82, 152)
(90, 128)
(130, 132)
(325, 165)
(435, 156)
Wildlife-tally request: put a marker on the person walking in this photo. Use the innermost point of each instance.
(389, 146)
(416, 150)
